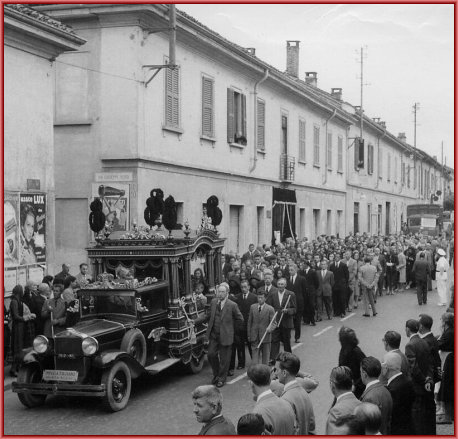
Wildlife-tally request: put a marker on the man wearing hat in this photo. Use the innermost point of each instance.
(442, 268)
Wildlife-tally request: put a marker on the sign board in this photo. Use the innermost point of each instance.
(33, 184)
(104, 177)
(115, 198)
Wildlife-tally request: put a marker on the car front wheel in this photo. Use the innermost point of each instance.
(30, 373)
(118, 384)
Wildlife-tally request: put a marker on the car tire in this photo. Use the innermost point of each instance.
(195, 365)
(118, 384)
(30, 373)
(134, 343)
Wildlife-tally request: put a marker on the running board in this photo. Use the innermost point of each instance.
(161, 365)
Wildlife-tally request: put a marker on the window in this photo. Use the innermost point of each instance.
(388, 172)
(261, 127)
(403, 174)
(172, 98)
(359, 153)
(329, 150)
(408, 176)
(316, 145)
(302, 140)
(380, 163)
(370, 159)
(236, 117)
(395, 169)
(284, 134)
(208, 107)
(355, 218)
(339, 154)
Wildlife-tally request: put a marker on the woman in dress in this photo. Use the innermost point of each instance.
(351, 355)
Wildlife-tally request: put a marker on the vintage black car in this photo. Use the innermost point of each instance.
(120, 335)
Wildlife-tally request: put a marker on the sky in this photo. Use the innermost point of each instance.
(409, 56)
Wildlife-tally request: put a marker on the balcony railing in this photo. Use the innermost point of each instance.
(287, 168)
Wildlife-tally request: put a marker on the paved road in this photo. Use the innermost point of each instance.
(162, 405)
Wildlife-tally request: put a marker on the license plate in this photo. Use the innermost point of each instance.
(60, 375)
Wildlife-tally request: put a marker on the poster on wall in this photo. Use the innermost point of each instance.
(22, 276)
(11, 229)
(32, 248)
(9, 279)
(115, 200)
(36, 273)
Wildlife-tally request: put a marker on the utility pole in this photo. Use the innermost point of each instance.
(362, 56)
(415, 107)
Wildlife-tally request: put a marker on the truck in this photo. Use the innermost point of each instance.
(140, 323)
(425, 218)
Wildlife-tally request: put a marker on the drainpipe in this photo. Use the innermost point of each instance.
(326, 146)
(378, 157)
(255, 113)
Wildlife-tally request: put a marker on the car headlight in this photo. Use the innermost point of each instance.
(40, 344)
(90, 346)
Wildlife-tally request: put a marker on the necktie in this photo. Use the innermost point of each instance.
(220, 306)
(259, 308)
(245, 296)
(322, 273)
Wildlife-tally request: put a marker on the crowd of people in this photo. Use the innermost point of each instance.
(45, 308)
(271, 292)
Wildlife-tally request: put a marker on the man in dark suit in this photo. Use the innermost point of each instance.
(340, 289)
(376, 392)
(421, 271)
(426, 323)
(284, 303)
(402, 394)
(324, 293)
(421, 368)
(312, 284)
(392, 341)
(266, 285)
(249, 254)
(296, 284)
(44, 293)
(223, 319)
(258, 329)
(244, 300)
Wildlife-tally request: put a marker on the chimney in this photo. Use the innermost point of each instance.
(311, 78)
(402, 137)
(336, 93)
(376, 119)
(382, 124)
(251, 51)
(292, 58)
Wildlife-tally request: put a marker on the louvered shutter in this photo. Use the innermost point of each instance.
(329, 150)
(340, 154)
(356, 154)
(302, 140)
(172, 98)
(261, 110)
(207, 107)
(230, 116)
(244, 132)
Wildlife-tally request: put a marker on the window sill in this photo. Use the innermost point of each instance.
(301, 162)
(73, 122)
(329, 169)
(237, 145)
(176, 130)
(208, 138)
(340, 172)
(261, 151)
(316, 165)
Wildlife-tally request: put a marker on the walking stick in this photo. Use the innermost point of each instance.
(272, 321)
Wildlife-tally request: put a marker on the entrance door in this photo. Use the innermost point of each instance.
(388, 217)
(284, 220)
(356, 218)
(235, 226)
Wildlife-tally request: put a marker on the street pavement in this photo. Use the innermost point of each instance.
(162, 405)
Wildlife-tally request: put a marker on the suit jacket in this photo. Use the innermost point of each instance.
(421, 270)
(230, 318)
(312, 283)
(258, 323)
(218, 426)
(262, 287)
(277, 413)
(379, 395)
(326, 284)
(287, 320)
(245, 305)
(403, 395)
(37, 306)
(435, 357)
(298, 288)
(418, 354)
(301, 403)
(341, 275)
(345, 406)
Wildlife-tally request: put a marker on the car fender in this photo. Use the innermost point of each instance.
(107, 358)
(30, 356)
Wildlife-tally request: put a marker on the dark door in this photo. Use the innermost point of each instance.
(387, 223)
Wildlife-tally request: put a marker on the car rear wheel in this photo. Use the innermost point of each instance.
(134, 343)
(30, 373)
(118, 384)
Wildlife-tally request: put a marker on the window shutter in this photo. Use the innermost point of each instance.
(302, 140)
(207, 107)
(356, 158)
(316, 145)
(172, 98)
(230, 116)
(261, 110)
(329, 150)
(244, 133)
(340, 154)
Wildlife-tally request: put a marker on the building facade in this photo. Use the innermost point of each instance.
(32, 41)
(276, 150)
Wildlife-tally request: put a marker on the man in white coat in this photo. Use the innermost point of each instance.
(442, 268)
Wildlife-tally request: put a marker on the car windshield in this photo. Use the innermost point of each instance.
(107, 302)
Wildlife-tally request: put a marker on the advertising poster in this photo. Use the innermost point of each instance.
(10, 279)
(36, 273)
(22, 276)
(115, 200)
(11, 229)
(32, 249)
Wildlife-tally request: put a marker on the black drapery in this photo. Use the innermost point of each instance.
(283, 213)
